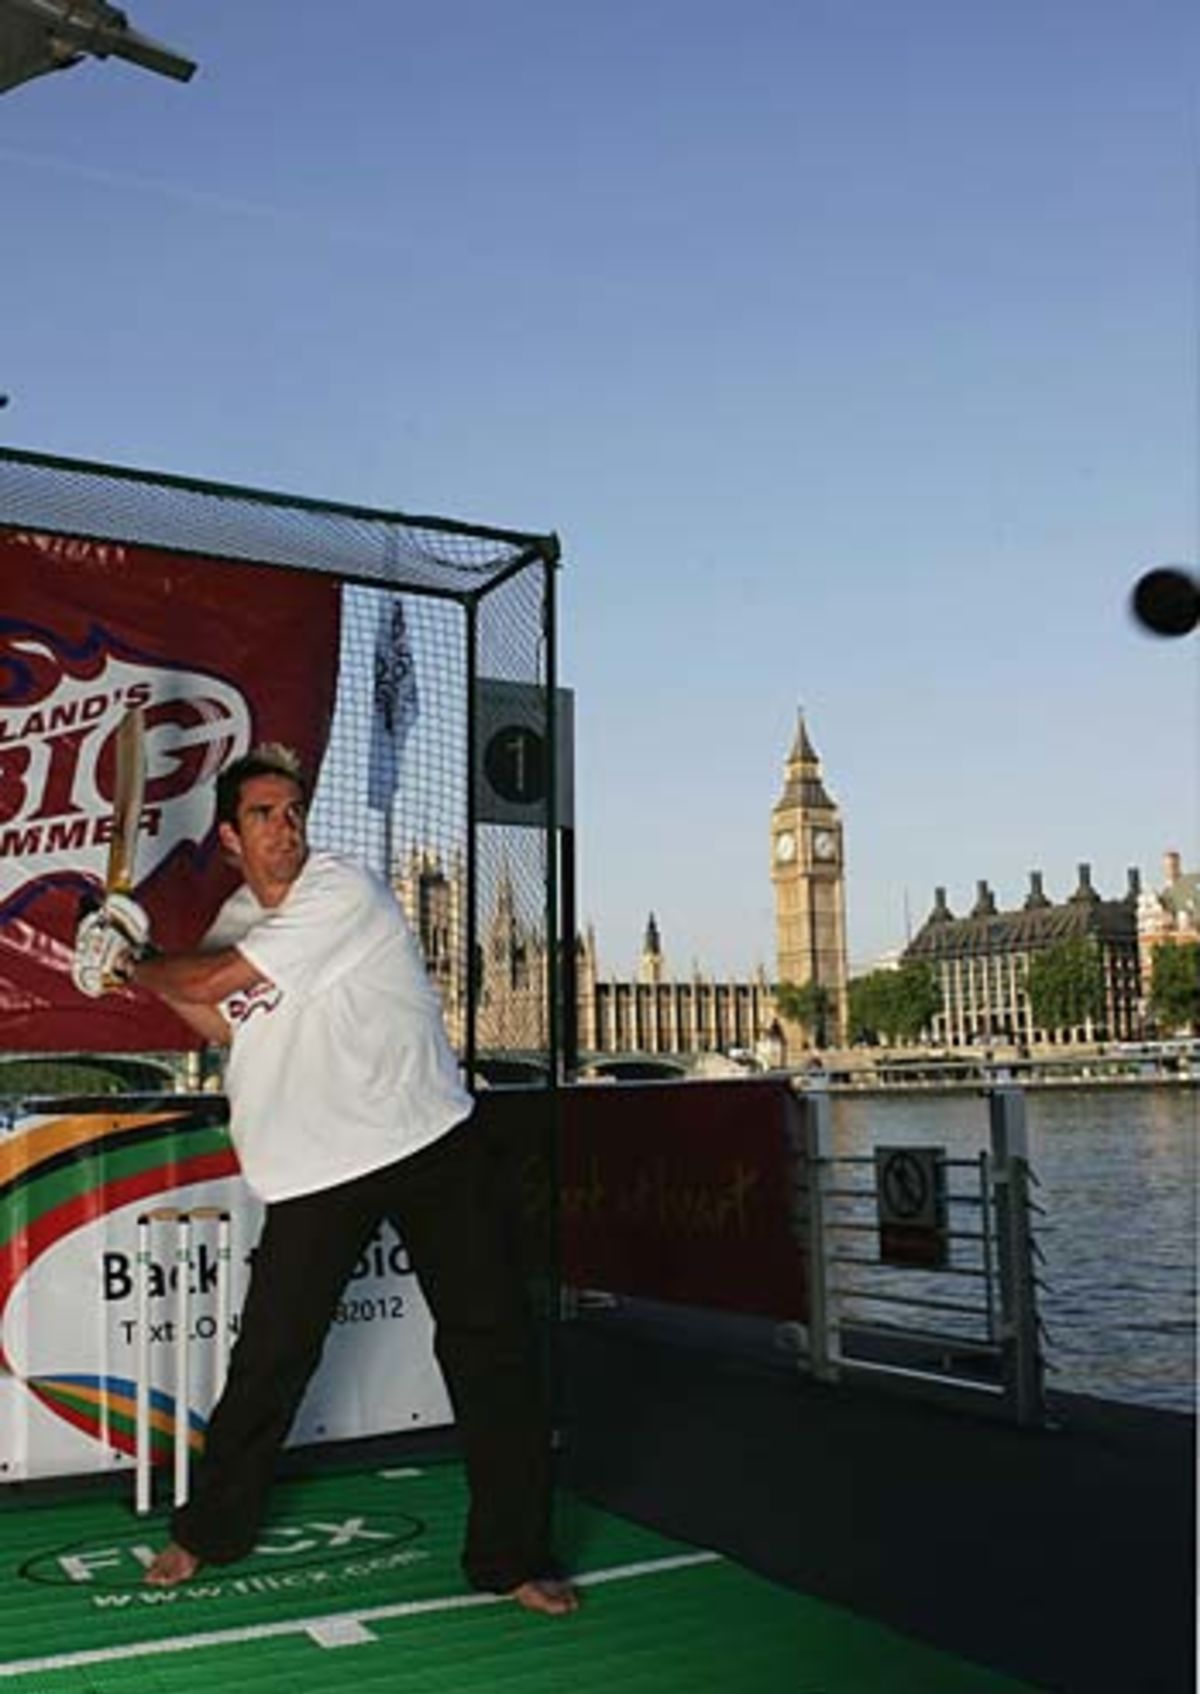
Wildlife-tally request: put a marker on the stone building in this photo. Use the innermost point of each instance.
(654, 1012)
(808, 871)
(434, 900)
(1169, 916)
(659, 1013)
(982, 962)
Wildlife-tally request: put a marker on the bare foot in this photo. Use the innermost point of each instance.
(548, 1595)
(174, 1564)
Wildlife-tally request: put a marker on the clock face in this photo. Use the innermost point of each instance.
(785, 847)
(824, 844)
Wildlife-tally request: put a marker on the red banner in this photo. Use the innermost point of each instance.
(220, 656)
(685, 1192)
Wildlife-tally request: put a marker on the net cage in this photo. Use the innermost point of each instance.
(454, 622)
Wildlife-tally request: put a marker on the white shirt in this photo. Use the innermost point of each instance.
(339, 1062)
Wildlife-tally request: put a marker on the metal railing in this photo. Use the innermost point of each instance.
(964, 1322)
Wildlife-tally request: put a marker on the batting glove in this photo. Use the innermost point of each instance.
(128, 919)
(108, 943)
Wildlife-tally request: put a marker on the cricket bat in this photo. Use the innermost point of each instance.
(128, 791)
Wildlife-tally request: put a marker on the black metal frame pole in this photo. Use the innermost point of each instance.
(471, 942)
(553, 988)
(568, 970)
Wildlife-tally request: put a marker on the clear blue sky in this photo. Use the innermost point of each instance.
(850, 347)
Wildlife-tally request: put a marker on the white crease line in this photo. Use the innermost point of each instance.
(644, 1567)
(334, 1622)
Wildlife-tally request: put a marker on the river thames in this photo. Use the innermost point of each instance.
(1117, 1169)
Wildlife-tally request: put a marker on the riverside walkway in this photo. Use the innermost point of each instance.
(1063, 1557)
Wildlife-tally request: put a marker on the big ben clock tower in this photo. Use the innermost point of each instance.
(808, 870)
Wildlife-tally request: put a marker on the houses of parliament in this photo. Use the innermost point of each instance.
(656, 1012)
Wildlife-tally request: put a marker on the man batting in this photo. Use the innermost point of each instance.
(346, 1107)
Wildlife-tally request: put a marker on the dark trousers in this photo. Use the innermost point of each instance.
(442, 1201)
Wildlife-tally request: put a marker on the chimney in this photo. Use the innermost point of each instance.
(985, 902)
(1036, 899)
(1085, 894)
(1134, 891)
(1172, 868)
(941, 912)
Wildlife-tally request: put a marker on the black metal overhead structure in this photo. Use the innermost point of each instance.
(39, 36)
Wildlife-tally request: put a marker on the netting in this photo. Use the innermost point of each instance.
(463, 607)
(513, 941)
(355, 544)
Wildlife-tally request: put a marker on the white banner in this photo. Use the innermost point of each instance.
(72, 1188)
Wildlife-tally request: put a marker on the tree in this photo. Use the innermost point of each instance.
(1065, 985)
(868, 997)
(916, 1000)
(1175, 986)
(894, 1005)
(810, 1005)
